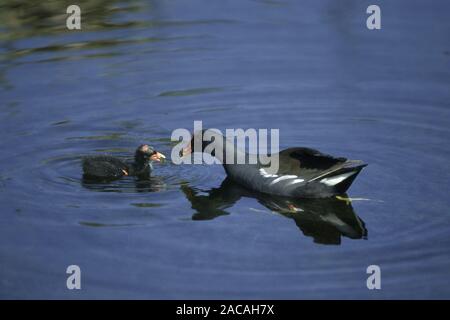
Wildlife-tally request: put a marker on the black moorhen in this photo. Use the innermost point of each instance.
(109, 167)
(302, 172)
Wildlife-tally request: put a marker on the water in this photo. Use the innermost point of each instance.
(138, 70)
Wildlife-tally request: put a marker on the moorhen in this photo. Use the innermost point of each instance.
(109, 167)
(302, 172)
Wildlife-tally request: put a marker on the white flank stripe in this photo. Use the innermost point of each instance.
(337, 179)
(266, 175)
(282, 178)
(295, 182)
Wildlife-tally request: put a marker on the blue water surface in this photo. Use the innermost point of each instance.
(140, 69)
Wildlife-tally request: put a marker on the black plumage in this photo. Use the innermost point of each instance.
(105, 167)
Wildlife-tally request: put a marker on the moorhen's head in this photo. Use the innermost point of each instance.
(145, 153)
(201, 138)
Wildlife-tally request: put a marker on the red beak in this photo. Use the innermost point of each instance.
(186, 150)
(157, 156)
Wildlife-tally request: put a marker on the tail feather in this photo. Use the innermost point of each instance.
(342, 178)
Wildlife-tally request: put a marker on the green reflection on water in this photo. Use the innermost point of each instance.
(146, 205)
(189, 92)
(21, 19)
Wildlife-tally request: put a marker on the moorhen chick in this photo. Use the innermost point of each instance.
(302, 172)
(109, 167)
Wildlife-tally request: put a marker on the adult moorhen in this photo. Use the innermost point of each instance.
(302, 172)
(109, 167)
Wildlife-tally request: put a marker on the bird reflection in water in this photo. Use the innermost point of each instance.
(325, 220)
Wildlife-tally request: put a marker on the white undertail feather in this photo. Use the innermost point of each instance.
(332, 181)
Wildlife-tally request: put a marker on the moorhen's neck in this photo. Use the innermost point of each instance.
(227, 152)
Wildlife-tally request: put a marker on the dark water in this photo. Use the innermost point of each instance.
(138, 70)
